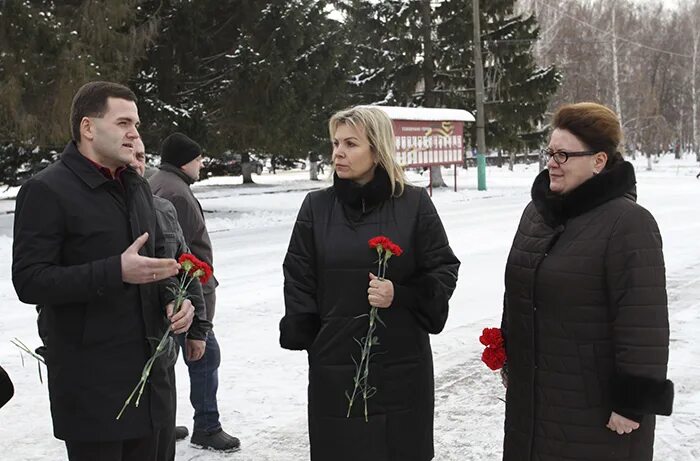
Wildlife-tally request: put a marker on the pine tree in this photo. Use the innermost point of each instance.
(517, 91)
(48, 50)
(385, 41)
(244, 76)
(390, 38)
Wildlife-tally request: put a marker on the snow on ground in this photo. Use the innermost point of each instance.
(262, 396)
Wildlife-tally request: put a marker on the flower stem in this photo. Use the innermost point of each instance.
(160, 348)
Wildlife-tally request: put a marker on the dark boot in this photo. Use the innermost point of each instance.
(217, 440)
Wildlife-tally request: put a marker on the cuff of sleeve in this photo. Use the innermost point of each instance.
(637, 418)
(112, 280)
(639, 395)
(298, 331)
(404, 297)
(199, 329)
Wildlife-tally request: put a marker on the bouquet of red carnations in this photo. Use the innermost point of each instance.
(191, 268)
(385, 249)
(494, 355)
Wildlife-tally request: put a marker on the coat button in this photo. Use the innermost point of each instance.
(100, 291)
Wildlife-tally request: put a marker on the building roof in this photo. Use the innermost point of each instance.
(426, 113)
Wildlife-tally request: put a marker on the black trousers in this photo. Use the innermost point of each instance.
(143, 449)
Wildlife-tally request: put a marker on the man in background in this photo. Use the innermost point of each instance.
(181, 162)
(174, 246)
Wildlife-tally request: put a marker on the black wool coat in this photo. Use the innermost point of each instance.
(326, 274)
(585, 324)
(71, 226)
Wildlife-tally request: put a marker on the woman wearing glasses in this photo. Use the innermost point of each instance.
(585, 316)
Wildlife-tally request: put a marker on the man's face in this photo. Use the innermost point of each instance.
(112, 136)
(192, 167)
(138, 161)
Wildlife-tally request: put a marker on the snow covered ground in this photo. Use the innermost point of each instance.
(262, 396)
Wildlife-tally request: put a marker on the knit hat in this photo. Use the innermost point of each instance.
(177, 150)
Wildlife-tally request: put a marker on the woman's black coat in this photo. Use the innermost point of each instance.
(585, 323)
(326, 280)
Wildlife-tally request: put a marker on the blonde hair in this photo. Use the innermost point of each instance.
(379, 131)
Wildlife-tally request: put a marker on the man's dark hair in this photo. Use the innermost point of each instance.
(91, 101)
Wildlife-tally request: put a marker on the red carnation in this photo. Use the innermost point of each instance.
(208, 272)
(394, 248)
(491, 337)
(195, 267)
(379, 241)
(494, 357)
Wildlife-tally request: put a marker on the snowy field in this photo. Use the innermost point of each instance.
(262, 395)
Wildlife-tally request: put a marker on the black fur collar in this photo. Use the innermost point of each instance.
(364, 197)
(609, 184)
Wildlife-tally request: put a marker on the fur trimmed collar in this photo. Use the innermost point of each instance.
(611, 183)
(363, 197)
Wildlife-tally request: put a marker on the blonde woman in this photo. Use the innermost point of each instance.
(330, 282)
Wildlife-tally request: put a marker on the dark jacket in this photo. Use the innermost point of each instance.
(174, 245)
(326, 273)
(71, 226)
(7, 390)
(585, 324)
(172, 184)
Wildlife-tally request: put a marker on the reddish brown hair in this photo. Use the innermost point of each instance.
(595, 125)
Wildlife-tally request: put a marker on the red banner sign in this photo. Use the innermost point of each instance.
(424, 143)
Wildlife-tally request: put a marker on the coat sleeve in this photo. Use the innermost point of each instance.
(37, 273)
(428, 292)
(301, 322)
(192, 225)
(200, 325)
(637, 294)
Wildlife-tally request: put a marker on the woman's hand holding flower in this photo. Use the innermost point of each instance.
(180, 321)
(621, 425)
(380, 292)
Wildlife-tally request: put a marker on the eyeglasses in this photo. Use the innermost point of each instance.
(561, 156)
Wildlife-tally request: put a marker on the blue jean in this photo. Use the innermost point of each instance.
(204, 383)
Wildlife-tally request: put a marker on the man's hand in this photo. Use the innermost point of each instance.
(380, 292)
(194, 349)
(137, 269)
(620, 424)
(181, 321)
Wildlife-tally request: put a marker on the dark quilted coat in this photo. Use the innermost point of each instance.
(326, 274)
(585, 323)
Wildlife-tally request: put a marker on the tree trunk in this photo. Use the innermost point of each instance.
(511, 160)
(428, 79)
(648, 161)
(436, 177)
(313, 167)
(616, 78)
(246, 169)
(694, 78)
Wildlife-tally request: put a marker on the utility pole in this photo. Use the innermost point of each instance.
(479, 72)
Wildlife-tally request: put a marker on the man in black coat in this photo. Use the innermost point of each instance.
(85, 240)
